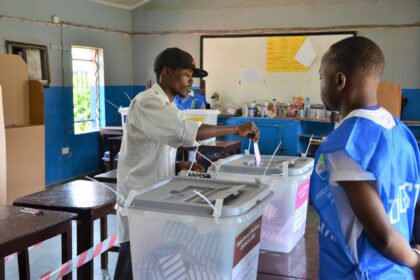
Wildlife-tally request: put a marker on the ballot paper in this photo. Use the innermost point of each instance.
(257, 154)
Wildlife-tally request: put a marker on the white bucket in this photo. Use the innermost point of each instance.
(202, 116)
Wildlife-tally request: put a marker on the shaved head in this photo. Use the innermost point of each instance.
(356, 56)
(350, 73)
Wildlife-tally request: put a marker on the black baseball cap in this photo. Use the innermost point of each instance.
(177, 58)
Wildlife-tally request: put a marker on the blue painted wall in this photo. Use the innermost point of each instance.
(59, 133)
(84, 154)
(272, 132)
(115, 94)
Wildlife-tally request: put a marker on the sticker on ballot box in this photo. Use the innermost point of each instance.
(301, 207)
(245, 260)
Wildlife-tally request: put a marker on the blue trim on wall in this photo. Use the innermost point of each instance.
(115, 94)
(84, 154)
(59, 133)
(411, 110)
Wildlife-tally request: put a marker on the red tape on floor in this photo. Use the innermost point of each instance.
(81, 259)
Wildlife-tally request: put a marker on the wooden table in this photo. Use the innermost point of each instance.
(19, 231)
(301, 263)
(222, 149)
(105, 132)
(90, 201)
(107, 177)
(114, 149)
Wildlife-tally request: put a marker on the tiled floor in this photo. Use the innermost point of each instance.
(47, 256)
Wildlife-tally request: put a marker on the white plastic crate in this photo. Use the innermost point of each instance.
(284, 216)
(173, 234)
(202, 116)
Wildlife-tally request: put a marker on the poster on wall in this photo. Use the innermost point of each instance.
(281, 52)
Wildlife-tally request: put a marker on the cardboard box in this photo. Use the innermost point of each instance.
(22, 131)
(390, 97)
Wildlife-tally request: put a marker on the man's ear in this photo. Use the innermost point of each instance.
(166, 71)
(340, 80)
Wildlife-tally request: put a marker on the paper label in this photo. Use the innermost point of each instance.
(301, 205)
(245, 260)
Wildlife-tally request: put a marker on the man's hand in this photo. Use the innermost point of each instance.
(185, 165)
(249, 130)
(368, 207)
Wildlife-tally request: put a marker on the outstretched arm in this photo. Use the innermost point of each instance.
(248, 129)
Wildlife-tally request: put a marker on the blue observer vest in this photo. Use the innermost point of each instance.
(393, 157)
(191, 102)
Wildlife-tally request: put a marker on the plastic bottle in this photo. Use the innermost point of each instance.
(278, 108)
(299, 100)
(275, 108)
(266, 109)
(293, 108)
(307, 107)
(287, 110)
(245, 110)
(251, 109)
(261, 111)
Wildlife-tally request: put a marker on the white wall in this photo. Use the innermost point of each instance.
(76, 11)
(184, 21)
(117, 47)
(238, 70)
(159, 15)
(146, 48)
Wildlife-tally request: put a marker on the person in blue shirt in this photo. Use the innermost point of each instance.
(365, 183)
(191, 101)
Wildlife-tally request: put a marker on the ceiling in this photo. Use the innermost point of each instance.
(122, 4)
(218, 4)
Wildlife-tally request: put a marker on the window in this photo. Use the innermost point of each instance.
(87, 77)
(35, 56)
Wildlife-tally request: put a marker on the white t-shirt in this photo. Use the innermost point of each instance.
(343, 168)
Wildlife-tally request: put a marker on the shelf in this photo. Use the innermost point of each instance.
(314, 136)
(327, 120)
(412, 123)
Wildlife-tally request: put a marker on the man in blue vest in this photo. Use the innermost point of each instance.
(366, 182)
(191, 101)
